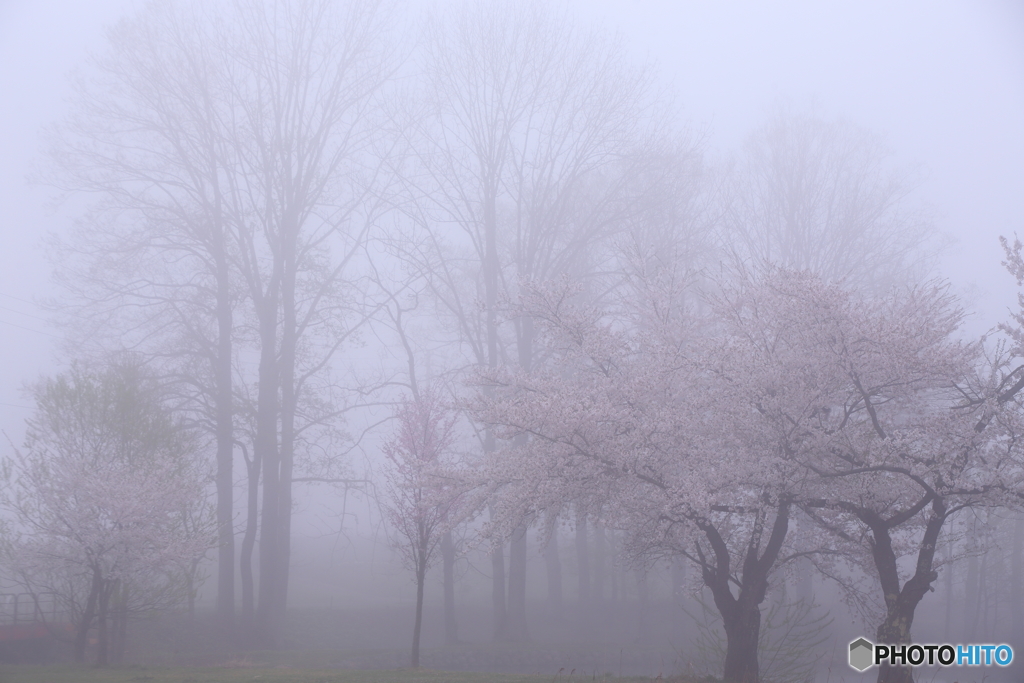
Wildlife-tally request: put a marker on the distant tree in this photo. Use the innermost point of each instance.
(105, 496)
(231, 150)
(421, 494)
(819, 195)
(533, 143)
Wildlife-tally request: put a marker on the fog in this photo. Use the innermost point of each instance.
(619, 257)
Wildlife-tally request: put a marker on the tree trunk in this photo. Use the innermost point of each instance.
(678, 598)
(600, 558)
(289, 402)
(119, 619)
(901, 603)
(498, 589)
(947, 570)
(643, 625)
(553, 562)
(1017, 595)
(1017, 583)
(742, 631)
(266, 448)
(583, 569)
(421, 576)
(249, 538)
(741, 615)
(85, 623)
(224, 477)
(805, 580)
(517, 631)
(451, 626)
(102, 613)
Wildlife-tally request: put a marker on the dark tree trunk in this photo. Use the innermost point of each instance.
(901, 603)
(741, 615)
(451, 626)
(517, 631)
(742, 631)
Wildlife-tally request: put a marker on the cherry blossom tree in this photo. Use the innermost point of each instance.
(640, 423)
(421, 494)
(867, 415)
(105, 495)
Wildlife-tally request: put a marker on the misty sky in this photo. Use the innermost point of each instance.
(942, 81)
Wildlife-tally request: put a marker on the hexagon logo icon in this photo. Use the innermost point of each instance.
(860, 654)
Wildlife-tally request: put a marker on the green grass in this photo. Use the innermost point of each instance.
(245, 674)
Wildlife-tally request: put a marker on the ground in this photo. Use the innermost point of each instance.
(240, 672)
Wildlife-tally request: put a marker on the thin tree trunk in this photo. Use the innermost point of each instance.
(289, 399)
(583, 569)
(517, 631)
(642, 604)
(102, 636)
(805, 580)
(119, 617)
(553, 562)
(948, 571)
(224, 477)
(451, 626)
(1017, 583)
(82, 635)
(678, 598)
(498, 591)
(266, 448)
(600, 555)
(970, 593)
(249, 538)
(421, 576)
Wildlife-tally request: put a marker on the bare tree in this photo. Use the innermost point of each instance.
(232, 150)
(530, 146)
(150, 263)
(303, 203)
(818, 195)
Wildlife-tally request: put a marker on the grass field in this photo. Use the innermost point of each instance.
(245, 674)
